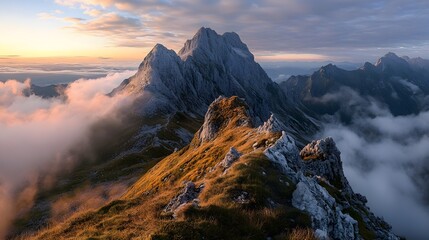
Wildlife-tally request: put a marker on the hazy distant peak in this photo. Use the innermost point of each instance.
(329, 69)
(406, 58)
(390, 59)
(388, 56)
(329, 66)
(368, 66)
(391, 55)
(418, 62)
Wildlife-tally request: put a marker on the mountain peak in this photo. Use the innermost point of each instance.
(158, 52)
(205, 39)
(391, 55)
(368, 66)
(208, 43)
(329, 67)
(161, 50)
(390, 60)
(159, 47)
(327, 70)
(209, 65)
(205, 32)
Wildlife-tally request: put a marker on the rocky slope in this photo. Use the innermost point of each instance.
(235, 174)
(400, 84)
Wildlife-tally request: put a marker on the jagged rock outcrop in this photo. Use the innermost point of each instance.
(326, 215)
(230, 158)
(327, 218)
(286, 154)
(323, 191)
(189, 194)
(272, 125)
(320, 149)
(322, 158)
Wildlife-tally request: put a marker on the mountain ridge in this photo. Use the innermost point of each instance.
(238, 174)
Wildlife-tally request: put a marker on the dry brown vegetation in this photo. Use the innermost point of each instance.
(139, 214)
(302, 234)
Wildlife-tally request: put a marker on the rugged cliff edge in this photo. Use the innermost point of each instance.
(236, 181)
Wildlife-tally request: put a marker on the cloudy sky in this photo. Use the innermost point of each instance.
(275, 30)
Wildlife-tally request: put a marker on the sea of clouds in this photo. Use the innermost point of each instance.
(385, 158)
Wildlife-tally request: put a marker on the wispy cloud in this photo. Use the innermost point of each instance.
(122, 31)
(45, 15)
(329, 27)
(110, 23)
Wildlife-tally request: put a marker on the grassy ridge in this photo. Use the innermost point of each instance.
(266, 210)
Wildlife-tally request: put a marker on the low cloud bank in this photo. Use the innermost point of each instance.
(38, 135)
(385, 158)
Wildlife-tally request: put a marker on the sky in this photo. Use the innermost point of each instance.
(275, 30)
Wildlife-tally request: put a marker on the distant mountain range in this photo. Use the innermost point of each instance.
(400, 84)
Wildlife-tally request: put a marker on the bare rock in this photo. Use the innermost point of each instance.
(322, 158)
(232, 156)
(272, 125)
(188, 194)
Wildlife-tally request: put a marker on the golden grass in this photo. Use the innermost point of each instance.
(139, 213)
(302, 234)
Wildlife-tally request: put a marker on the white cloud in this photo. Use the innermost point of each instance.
(334, 28)
(386, 158)
(37, 134)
